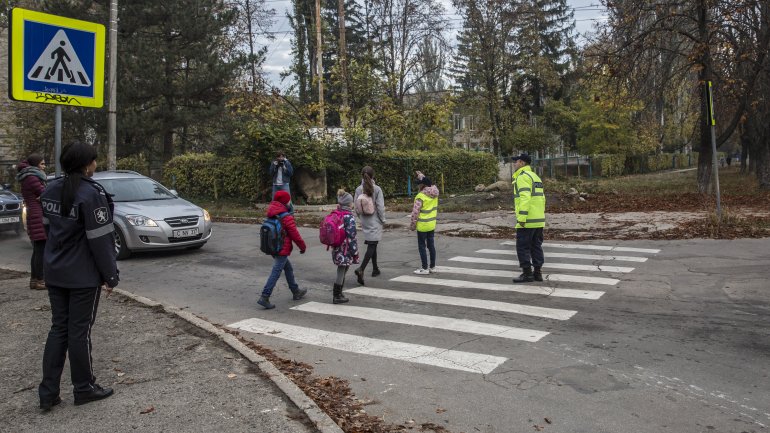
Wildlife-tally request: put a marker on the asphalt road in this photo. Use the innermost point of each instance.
(674, 340)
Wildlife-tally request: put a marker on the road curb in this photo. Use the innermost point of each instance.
(320, 419)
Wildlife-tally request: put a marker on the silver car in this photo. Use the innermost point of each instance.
(149, 217)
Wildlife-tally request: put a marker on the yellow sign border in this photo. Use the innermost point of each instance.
(16, 60)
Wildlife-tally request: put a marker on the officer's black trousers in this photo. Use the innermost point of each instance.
(73, 313)
(529, 247)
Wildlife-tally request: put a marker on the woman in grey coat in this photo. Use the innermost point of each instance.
(371, 223)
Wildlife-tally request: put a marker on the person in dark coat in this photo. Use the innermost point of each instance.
(279, 208)
(79, 263)
(32, 178)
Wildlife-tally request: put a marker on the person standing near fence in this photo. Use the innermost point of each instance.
(424, 214)
(370, 208)
(33, 179)
(281, 172)
(529, 202)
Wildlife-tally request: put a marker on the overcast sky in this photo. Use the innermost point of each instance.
(587, 13)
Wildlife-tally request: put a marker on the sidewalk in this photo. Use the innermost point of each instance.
(168, 375)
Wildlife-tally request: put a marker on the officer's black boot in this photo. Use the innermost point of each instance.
(525, 277)
(537, 275)
(360, 276)
(337, 293)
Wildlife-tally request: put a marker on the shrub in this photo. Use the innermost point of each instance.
(137, 163)
(207, 175)
(461, 170)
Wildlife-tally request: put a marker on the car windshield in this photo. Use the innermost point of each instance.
(135, 189)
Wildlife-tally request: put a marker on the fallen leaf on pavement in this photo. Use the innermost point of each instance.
(148, 410)
(440, 410)
(232, 376)
(548, 420)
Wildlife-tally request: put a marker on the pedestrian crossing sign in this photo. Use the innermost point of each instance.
(56, 60)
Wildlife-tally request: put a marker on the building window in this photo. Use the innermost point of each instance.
(459, 122)
(471, 123)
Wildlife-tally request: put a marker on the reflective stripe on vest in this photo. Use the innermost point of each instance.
(426, 221)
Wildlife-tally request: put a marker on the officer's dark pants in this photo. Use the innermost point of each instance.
(73, 313)
(529, 247)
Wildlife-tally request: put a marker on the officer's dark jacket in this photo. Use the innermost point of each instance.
(80, 252)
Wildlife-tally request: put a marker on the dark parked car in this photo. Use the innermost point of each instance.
(11, 208)
(149, 217)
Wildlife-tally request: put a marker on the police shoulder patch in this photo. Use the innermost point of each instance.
(101, 215)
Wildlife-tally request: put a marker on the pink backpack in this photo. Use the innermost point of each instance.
(364, 205)
(332, 232)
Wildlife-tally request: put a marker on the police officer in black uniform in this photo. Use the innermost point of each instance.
(79, 262)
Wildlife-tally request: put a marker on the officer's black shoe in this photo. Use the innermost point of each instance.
(97, 393)
(376, 272)
(46, 405)
(537, 275)
(525, 277)
(360, 276)
(265, 302)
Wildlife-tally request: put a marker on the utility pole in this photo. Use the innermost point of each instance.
(343, 64)
(112, 109)
(319, 64)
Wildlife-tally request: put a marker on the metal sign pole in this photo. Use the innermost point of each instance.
(714, 160)
(57, 140)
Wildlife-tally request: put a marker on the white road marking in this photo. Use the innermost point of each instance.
(571, 256)
(510, 274)
(451, 359)
(601, 268)
(594, 247)
(438, 322)
(519, 288)
(527, 310)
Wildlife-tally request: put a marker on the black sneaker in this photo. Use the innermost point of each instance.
(298, 294)
(359, 276)
(46, 405)
(376, 272)
(97, 393)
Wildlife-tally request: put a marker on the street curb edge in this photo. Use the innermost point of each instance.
(320, 419)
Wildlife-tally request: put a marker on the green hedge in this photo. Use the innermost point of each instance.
(137, 163)
(207, 175)
(460, 170)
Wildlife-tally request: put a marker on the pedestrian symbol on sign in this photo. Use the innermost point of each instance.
(59, 64)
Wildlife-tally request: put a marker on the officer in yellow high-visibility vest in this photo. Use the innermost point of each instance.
(529, 200)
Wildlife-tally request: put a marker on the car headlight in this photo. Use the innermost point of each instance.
(206, 216)
(139, 220)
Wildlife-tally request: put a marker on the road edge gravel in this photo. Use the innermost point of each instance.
(320, 419)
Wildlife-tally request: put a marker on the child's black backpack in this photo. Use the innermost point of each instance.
(271, 235)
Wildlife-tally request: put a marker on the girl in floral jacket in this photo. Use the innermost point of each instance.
(346, 254)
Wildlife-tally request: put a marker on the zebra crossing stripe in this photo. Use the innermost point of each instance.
(510, 274)
(595, 247)
(416, 353)
(438, 322)
(523, 288)
(601, 268)
(571, 256)
(527, 310)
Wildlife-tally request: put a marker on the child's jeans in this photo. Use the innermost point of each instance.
(280, 263)
(426, 238)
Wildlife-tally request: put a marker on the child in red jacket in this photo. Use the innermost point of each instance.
(281, 260)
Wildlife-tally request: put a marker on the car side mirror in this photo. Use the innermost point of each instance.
(173, 191)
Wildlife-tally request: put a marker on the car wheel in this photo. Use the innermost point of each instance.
(121, 250)
(196, 247)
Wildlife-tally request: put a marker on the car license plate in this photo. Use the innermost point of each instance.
(186, 233)
(8, 220)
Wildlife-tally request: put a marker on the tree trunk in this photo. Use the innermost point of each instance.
(704, 75)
